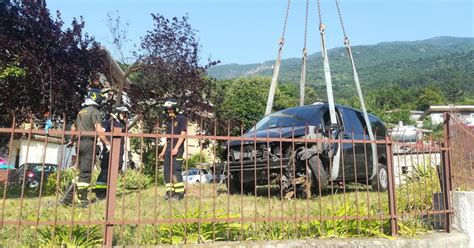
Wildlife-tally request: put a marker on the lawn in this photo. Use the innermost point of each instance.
(208, 213)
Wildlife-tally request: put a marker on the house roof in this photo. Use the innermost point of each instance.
(113, 70)
(447, 108)
(412, 112)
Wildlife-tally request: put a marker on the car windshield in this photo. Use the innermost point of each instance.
(191, 172)
(300, 116)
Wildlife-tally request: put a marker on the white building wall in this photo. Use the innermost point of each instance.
(193, 146)
(437, 118)
(35, 152)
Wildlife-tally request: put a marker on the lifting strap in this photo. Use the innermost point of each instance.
(332, 108)
(276, 68)
(304, 58)
(361, 96)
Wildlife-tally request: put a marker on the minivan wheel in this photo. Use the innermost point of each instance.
(380, 181)
(319, 176)
(315, 180)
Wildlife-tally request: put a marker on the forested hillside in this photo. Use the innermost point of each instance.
(410, 75)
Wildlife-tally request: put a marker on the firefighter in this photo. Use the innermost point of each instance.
(119, 117)
(173, 150)
(88, 120)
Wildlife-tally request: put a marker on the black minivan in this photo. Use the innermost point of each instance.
(299, 150)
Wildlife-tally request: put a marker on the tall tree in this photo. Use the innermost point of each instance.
(241, 102)
(170, 68)
(430, 96)
(43, 68)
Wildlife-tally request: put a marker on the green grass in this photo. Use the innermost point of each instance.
(206, 214)
(148, 204)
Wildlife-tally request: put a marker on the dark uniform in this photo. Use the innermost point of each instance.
(101, 184)
(86, 120)
(173, 164)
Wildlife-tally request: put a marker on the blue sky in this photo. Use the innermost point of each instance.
(247, 31)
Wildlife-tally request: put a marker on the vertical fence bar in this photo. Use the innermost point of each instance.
(7, 173)
(446, 187)
(112, 187)
(155, 191)
(391, 190)
(25, 167)
(38, 209)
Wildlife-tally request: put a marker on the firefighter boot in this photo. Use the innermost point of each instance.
(178, 196)
(178, 191)
(100, 190)
(168, 195)
(68, 195)
(169, 191)
(83, 199)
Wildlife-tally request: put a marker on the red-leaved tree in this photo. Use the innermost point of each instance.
(43, 67)
(170, 67)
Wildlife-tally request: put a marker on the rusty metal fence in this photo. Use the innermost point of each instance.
(247, 188)
(460, 138)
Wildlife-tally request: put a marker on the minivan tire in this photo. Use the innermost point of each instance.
(380, 181)
(316, 176)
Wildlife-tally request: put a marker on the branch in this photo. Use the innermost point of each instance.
(133, 122)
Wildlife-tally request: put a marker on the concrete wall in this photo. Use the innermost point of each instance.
(463, 205)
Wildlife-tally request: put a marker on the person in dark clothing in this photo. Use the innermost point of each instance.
(173, 150)
(88, 120)
(119, 120)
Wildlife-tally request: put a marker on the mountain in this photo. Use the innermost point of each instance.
(402, 63)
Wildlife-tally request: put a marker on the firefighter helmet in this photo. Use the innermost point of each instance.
(95, 97)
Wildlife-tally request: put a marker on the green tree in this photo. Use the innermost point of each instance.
(394, 116)
(371, 104)
(243, 102)
(430, 96)
(288, 95)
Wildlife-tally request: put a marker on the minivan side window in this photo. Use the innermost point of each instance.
(377, 127)
(353, 121)
(326, 119)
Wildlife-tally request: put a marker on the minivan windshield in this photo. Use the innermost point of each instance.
(299, 116)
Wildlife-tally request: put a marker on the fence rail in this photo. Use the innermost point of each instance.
(461, 143)
(250, 188)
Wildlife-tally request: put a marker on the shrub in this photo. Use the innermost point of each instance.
(338, 227)
(349, 228)
(51, 183)
(133, 180)
(196, 158)
(417, 192)
(71, 236)
(198, 232)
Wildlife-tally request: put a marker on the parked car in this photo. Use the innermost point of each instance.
(7, 172)
(195, 175)
(33, 174)
(262, 162)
